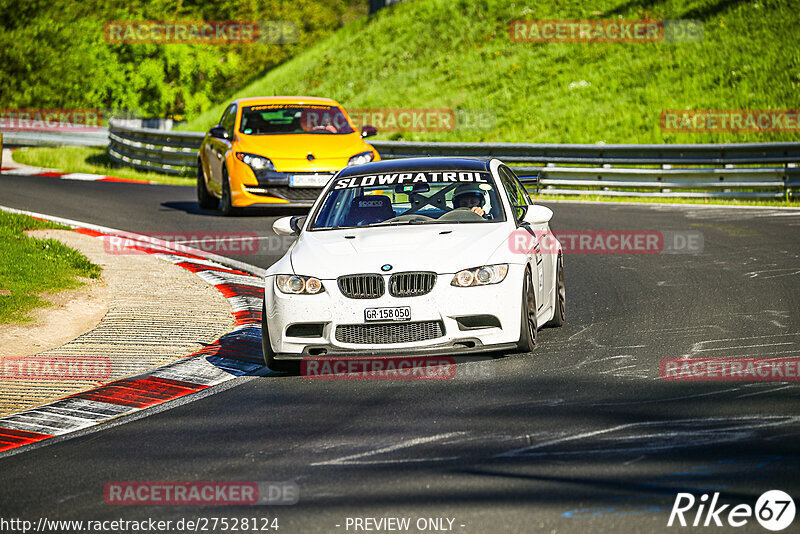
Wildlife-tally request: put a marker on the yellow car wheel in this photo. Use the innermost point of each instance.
(205, 199)
(226, 203)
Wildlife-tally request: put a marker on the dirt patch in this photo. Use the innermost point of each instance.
(73, 312)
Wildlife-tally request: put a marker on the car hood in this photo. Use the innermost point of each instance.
(290, 152)
(440, 248)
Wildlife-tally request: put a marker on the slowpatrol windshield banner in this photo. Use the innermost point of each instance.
(425, 177)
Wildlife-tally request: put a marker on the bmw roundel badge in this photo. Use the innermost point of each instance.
(386, 267)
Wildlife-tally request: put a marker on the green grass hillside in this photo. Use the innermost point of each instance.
(458, 54)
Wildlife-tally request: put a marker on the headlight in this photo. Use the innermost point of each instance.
(480, 276)
(360, 159)
(257, 163)
(292, 284)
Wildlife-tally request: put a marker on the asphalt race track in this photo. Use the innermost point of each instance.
(580, 435)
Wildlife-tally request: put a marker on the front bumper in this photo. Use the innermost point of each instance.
(452, 348)
(272, 187)
(445, 304)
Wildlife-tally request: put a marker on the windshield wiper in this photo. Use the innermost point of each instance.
(407, 221)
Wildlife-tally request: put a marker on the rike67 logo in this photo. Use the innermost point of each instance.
(774, 510)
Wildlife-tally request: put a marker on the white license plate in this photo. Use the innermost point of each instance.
(398, 313)
(308, 180)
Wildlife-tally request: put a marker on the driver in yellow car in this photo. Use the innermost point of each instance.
(469, 196)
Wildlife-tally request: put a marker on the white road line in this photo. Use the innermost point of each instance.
(765, 391)
(747, 346)
(82, 176)
(733, 424)
(391, 448)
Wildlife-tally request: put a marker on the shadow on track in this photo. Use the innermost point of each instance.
(193, 208)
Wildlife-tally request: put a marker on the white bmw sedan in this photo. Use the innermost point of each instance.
(414, 257)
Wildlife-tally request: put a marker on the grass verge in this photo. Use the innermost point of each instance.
(89, 160)
(30, 267)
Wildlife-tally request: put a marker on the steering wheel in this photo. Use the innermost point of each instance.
(461, 214)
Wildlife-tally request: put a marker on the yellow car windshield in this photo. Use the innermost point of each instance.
(279, 119)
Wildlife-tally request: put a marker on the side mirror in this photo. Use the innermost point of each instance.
(219, 132)
(283, 226)
(296, 223)
(535, 215)
(368, 131)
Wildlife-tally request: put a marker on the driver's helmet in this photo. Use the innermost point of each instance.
(466, 191)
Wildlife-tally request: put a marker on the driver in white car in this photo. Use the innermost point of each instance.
(469, 196)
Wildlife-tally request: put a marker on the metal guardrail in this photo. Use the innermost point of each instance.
(714, 172)
(592, 170)
(162, 151)
(711, 154)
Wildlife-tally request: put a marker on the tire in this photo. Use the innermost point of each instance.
(226, 203)
(269, 355)
(559, 314)
(205, 199)
(528, 326)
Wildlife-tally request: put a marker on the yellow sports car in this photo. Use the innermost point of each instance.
(275, 151)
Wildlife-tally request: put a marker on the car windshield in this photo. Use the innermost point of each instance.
(271, 119)
(419, 197)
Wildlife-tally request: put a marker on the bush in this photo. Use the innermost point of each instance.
(54, 54)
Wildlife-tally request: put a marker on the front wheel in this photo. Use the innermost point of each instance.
(205, 199)
(226, 203)
(528, 326)
(559, 313)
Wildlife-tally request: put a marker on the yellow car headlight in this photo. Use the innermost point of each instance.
(360, 159)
